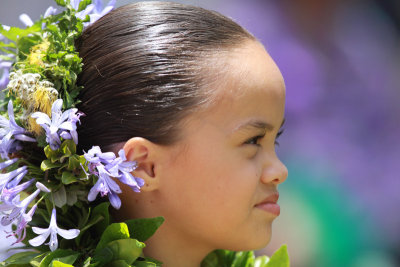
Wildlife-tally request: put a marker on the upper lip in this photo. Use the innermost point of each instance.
(272, 198)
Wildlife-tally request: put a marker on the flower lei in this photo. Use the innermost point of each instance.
(47, 190)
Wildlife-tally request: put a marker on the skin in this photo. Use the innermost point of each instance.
(207, 185)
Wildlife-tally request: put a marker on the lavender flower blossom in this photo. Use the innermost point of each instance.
(61, 124)
(26, 20)
(50, 11)
(105, 185)
(95, 10)
(20, 232)
(99, 11)
(52, 231)
(5, 66)
(105, 166)
(19, 207)
(12, 178)
(123, 169)
(8, 130)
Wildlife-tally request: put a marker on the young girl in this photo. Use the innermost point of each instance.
(189, 100)
(197, 101)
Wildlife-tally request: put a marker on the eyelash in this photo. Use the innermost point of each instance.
(254, 140)
(277, 136)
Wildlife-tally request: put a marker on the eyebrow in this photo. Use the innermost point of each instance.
(258, 124)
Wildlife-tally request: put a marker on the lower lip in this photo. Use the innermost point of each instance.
(270, 207)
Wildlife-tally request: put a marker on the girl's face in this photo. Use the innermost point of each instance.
(212, 187)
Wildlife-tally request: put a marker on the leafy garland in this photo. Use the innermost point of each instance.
(39, 163)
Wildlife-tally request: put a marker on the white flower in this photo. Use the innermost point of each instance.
(52, 231)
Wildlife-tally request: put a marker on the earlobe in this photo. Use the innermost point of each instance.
(144, 153)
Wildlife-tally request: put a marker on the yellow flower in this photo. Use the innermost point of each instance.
(37, 53)
(43, 99)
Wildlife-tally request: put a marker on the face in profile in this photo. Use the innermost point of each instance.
(218, 186)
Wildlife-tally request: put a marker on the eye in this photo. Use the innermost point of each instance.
(277, 136)
(254, 140)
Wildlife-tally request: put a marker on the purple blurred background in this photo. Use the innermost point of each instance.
(341, 63)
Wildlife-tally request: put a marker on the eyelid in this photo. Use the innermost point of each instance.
(254, 138)
(277, 136)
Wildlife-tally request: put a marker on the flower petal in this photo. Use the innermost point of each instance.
(114, 200)
(25, 19)
(37, 241)
(40, 231)
(68, 234)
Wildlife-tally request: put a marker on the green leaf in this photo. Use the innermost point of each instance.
(113, 232)
(36, 261)
(57, 255)
(61, 2)
(118, 263)
(101, 209)
(14, 33)
(60, 197)
(83, 4)
(47, 165)
(261, 261)
(87, 262)
(148, 262)
(73, 162)
(280, 258)
(244, 259)
(68, 147)
(68, 178)
(142, 229)
(145, 264)
(60, 264)
(127, 250)
(20, 258)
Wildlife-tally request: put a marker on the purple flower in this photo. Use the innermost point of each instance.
(52, 231)
(98, 11)
(10, 132)
(5, 66)
(50, 11)
(105, 185)
(18, 208)
(8, 193)
(105, 166)
(26, 20)
(12, 178)
(20, 232)
(122, 169)
(95, 10)
(61, 124)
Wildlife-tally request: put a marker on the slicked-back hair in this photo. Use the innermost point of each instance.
(143, 70)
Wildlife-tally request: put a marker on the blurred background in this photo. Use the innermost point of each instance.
(341, 63)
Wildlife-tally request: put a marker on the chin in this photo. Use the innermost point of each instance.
(254, 241)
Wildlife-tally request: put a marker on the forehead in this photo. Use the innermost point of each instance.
(250, 86)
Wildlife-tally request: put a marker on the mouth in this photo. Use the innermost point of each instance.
(270, 205)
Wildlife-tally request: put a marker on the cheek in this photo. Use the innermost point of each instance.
(216, 181)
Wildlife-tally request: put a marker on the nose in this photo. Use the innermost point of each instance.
(274, 171)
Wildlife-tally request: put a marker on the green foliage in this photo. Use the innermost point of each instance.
(226, 258)
(142, 229)
(113, 232)
(280, 258)
(20, 259)
(50, 51)
(63, 255)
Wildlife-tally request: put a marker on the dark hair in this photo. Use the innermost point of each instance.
(142, 69)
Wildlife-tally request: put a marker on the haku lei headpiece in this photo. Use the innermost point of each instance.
(48, 192)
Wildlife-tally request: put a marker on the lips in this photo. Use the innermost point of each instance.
(269, 204)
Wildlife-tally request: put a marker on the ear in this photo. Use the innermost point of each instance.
(144, 153)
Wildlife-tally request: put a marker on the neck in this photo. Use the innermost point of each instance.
(167, 247)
